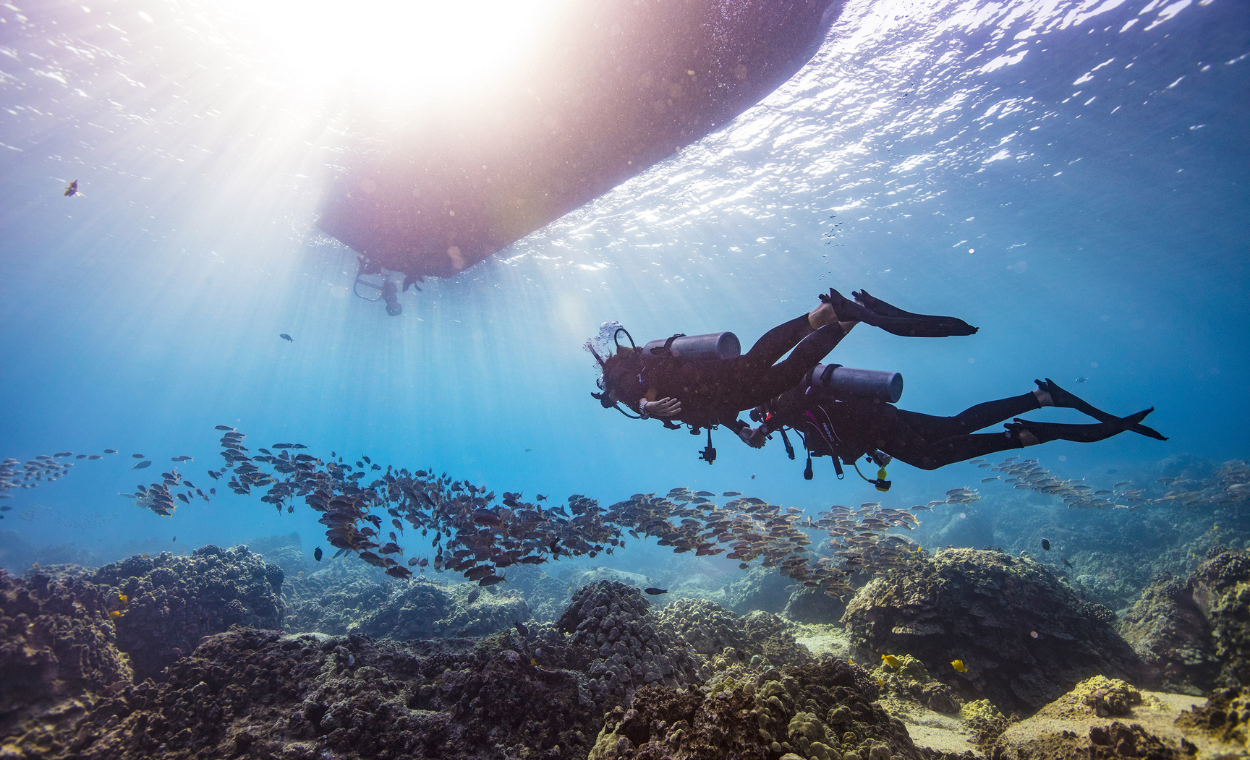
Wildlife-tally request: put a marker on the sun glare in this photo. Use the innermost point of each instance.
(397, 52)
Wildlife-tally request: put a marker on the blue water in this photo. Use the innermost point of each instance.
(1069, 176)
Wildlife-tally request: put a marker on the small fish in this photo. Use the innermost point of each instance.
(521, 629)
(1046, 544)
(223, 427)
(656, 591)
(1065, 561)
(532, 660)
(890, 660)
(71, 189)
(318, 554)
(732, 493)
(110, 451)
(182, 458)
(987, 480)
(959, 666)
(115, 614)
(473, 595)
(137, 456)
(286, 337)
(880, 683)
(1082, 380)
(142, 465)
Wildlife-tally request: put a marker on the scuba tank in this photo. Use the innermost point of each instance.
(845, 382)
(722, 345)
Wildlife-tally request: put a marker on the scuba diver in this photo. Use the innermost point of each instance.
(387, 290)
(703, 382)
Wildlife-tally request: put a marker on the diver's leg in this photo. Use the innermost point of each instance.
(1051, 394)
(972, 419)
(912, 325)
(868, 425)
(1030, 433)
(786, 374)
(774, 344)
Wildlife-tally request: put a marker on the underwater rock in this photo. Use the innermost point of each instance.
(810, 605)
(1024, 637)
(761, 589)
(284, 550)
(1170, 632)
(56, 643)
(909, 679)
(355, 598)
(1225, 716)
(821, 710)
(1142, 724)
(264, 694)
(621, 646)
(173, 602)
(1221, 589)
(709, 629)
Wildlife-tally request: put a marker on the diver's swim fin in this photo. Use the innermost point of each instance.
(943, 326)
(1067, 400)
(1054, 431)
(909, 325)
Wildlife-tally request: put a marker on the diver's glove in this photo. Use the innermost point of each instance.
(753, 436)
(665, 407)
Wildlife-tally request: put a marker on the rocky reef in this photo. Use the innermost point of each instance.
(56, 643)
(1167, 628)
(821, 710)
(621, 647)
(1023, 637)
(351, 597)
(172, 602)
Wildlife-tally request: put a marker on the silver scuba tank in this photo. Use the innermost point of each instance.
(845, 382)
(722, 345)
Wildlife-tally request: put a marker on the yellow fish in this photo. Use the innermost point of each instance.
(533, 662)
(880, 684)
(890, 660)
(123, 598)
(958, 665)
(115, 614)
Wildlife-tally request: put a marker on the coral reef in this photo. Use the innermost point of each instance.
(821, 710)
(284, 550)
(710, 630)
(56, 642)
(173, 602)
(1023, 637)
(1105, 718)
(355, 600)
(911, 680)
(1168, 629)
(761, 589)
(1225, 716)
(262, 694)
(622, 649)
(1221, 588)
(809, 605)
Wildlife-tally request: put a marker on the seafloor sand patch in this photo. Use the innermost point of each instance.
(928, 728)
(823, 639)
(1156, 714)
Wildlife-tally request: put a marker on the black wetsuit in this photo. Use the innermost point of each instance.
(856, 427)
(714, 391)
